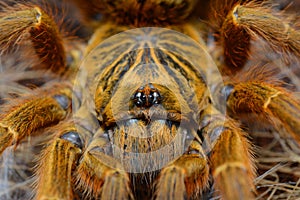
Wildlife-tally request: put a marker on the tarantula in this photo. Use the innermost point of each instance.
(151, 107)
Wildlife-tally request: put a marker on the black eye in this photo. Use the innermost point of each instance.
(156, 98)
(138, 99)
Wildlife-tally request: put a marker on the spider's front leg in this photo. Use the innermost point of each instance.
(101, 176)
(74, 165)
(44, 108)
(57, 163)
(230, 155)
(230, 158)
(185, 177)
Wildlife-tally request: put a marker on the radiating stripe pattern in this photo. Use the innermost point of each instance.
(145, 139)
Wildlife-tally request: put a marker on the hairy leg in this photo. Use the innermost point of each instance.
(99, 175)
(266, 100)
(22, 23)
(230, 156)
(239, 23)
(43, 108)
(57, 163)
(185, 177)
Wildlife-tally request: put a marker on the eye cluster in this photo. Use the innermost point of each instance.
(147, 96)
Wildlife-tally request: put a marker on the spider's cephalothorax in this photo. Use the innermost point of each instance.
(141, 114)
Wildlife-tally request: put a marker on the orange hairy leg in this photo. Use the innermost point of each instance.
(239, 23)
(57, 163)
(230, 156)
(100, 175)
(267, 100)
(231, 165)
(33, 112)
(185, 177)
(21, 23)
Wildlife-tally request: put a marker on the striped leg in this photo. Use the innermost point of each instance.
(230, 156)
(41, 109)
(186, 177)
(28, 22)
(239, 22)
(268, 101)
(57, 163)
(101, 176)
